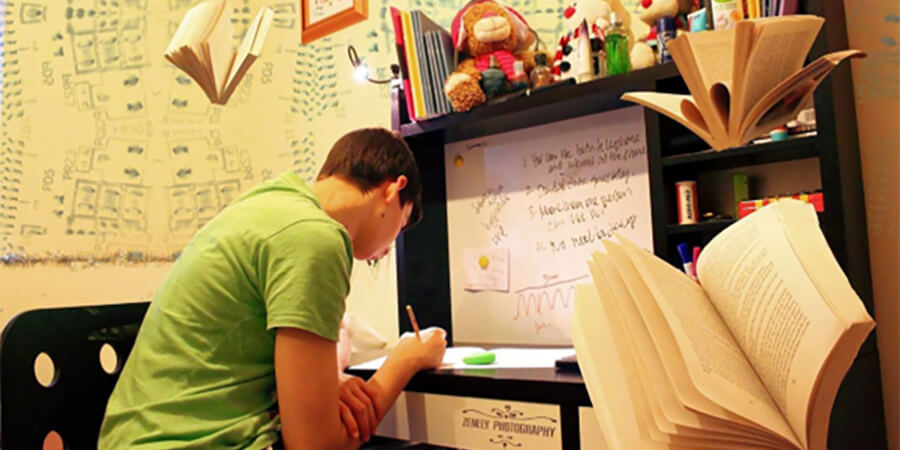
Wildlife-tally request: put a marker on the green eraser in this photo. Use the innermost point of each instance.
(480, 358)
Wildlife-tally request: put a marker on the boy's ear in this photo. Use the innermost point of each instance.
(394, 187)
(401, 182)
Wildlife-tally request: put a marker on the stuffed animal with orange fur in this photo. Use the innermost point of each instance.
(481, 29)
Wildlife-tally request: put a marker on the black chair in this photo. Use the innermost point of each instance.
(74, 402)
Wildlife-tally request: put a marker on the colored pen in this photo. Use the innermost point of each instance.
(696, 257)
(412, 319)
(684, 252)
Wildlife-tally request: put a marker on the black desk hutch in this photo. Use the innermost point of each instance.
(674, 154)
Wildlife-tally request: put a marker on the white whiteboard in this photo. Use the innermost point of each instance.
(547, 194)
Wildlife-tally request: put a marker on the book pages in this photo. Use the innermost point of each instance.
(249, 50)
(815, 256)
(708, 60)
(715, 362)
(678, 107)
(595, 345)
(774, 311)
(784, 101)
(779, 49)
(220, 50)
(195, 26)
(686, 423)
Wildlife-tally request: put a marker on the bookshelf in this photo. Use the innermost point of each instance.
(832, 155)
(712, 226)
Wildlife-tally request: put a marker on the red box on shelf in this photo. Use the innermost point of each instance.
(748, 206)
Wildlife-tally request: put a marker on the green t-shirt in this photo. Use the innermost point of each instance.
(201, 373)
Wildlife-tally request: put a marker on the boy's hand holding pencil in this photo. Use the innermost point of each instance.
(422, 350)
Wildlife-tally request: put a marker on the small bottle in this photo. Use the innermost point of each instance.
(585, 67)
(493, 80)
(665, 32)
(618, 60)
(541, 75)
(520, 79)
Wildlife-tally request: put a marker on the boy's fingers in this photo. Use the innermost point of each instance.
(360, 413)
(370, 407)
(349, 420)
(372, 391)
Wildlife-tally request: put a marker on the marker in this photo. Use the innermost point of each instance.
(684, 252)
(696, 257)
(412, 319)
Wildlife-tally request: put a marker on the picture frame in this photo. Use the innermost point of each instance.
(323, 17)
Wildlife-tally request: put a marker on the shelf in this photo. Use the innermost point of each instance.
(603, 92)
(714, 226)
(749, 155)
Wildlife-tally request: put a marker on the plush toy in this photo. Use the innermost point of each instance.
(480, 30)
(653, 10)
(642, 55)
(579, 53)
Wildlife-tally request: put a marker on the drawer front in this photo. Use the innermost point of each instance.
(473, 423)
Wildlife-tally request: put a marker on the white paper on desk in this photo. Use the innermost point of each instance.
(506, 358)
(493, 275)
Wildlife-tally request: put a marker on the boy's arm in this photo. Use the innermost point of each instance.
(408, 357)
(308, 392)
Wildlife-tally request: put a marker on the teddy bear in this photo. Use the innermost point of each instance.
(579, 50)
(484, 30)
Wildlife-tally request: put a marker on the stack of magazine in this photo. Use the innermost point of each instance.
(426, 57)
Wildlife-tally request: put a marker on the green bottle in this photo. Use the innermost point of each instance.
(618, 59)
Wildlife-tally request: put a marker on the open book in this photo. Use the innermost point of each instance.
(202, 47)
(744, 81)
(752, 357)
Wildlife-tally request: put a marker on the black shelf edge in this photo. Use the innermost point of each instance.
(748, 155)
(635, 80)
(714, 226)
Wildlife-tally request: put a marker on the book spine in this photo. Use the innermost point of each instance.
(445, 69)
(788, 7)
(422, 57)
(741, 190)
(415, 84)
(436, 59)
(397, 19)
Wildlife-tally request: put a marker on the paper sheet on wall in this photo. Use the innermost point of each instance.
(487, 269)
(549, 194)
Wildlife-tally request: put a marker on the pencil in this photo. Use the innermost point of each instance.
(412, 319)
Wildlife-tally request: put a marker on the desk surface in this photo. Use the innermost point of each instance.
(545, 385)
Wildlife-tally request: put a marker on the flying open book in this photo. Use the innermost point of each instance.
(744, 81)
(202, 47)
(752, 357)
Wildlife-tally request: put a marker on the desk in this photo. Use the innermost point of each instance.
(495, 408)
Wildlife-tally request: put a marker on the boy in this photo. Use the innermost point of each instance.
(255, 300)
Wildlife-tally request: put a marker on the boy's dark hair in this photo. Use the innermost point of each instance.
(370, 156)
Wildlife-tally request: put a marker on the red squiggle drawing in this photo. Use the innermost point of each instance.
(550, 294)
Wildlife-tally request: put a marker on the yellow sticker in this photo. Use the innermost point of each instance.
(458, 161)
(484, 262)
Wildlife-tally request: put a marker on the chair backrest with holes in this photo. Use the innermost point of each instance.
(75, 399)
